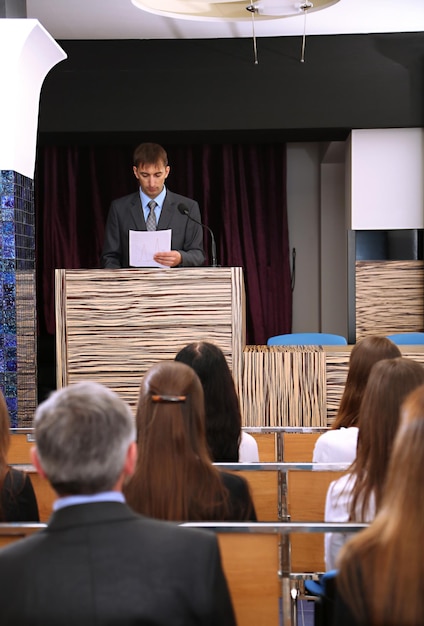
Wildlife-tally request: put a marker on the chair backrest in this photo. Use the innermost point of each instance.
(307, 339)
(325, 591)
(278, 490)
(44, 492)
(256, 562)
(13, 531)
(251, 568)
(407, 338)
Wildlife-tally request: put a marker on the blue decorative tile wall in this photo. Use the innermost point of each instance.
(17, 293)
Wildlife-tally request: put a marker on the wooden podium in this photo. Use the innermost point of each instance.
(112, 325)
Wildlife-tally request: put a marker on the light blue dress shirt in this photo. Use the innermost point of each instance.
(104, 496)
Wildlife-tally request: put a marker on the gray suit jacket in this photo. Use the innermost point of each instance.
(100, 564)
(126, 214)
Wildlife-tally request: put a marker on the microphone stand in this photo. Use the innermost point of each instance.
(184, 211)
(213, 248)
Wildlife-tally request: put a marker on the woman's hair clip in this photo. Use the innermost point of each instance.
(161, 398)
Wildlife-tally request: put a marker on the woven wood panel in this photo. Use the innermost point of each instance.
(284, 386)
(297, 385)
(112, 325)
(337, 365)
(389, 297)
(26, 346)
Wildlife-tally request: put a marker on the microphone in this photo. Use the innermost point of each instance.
(184, 211)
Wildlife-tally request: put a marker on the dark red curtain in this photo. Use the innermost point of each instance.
(241, 190)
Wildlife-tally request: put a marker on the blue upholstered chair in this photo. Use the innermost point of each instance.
(324, 591)
(405, 339)
(307, 339)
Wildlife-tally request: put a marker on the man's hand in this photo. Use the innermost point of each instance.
(170, 259)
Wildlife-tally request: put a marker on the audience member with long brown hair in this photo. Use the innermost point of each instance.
(226, 440)
(381, 577)
(175, 478)
(357, 495)
(17, 498)
(338, 445)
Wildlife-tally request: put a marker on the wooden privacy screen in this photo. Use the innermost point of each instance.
(292, 385)
(112, 325)
(284, 382)
(389, 297)
(298, 386)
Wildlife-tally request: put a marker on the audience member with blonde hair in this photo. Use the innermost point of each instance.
(338, 445)
(17, 498)
(381, 577)
(357, 495)
(174, 477)
(226, 440)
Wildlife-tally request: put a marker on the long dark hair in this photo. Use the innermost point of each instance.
(381, 568)
(222, 408)
(174, 477)
(389, 383)
(364, 354)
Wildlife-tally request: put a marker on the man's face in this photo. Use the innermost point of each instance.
(151, 177)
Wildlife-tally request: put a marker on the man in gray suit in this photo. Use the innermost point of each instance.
(169, 211)
(97, 562)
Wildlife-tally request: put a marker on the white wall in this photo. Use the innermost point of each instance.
(387, 183)
(317, 230)
(304, 226)
(333, 250)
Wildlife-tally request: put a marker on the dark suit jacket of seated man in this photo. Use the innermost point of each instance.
(97, 562)
(151, 169)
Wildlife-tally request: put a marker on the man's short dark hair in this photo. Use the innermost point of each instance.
(149, 154)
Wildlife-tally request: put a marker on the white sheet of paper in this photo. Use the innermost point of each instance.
(144, 244)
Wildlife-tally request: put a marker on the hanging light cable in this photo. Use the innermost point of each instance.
(253, 10)
(304, 7)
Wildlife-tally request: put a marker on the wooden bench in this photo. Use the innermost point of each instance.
(21, 442)
(264, 486)
(305, 499)
(260, 590)
(250, 562)
(11, 532)
(251, 567)
(305, 490)
(44, 493)
(264, 492)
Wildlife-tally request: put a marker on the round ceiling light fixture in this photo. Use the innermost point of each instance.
(231, 10)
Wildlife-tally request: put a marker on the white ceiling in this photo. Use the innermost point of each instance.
(120, 19)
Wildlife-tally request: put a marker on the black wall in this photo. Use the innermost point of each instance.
(212, 90)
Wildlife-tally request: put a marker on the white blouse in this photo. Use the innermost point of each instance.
(336, 446)
(337, 509)
(248, 449)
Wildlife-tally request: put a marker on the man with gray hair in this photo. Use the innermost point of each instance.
(97, 562)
